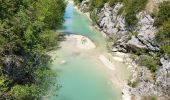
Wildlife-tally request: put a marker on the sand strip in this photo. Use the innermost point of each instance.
(106, 62)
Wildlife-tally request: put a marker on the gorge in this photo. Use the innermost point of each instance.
(86, 73)
(84, 49)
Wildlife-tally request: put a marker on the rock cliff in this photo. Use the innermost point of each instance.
(111, 21)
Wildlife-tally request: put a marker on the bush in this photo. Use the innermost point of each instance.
(131, 8)
(26, 34)
(150, 62)
(163, 23)
(93, 16)
(149, 98)
(97, 4)
(113, 2)
(163, 14)
(77, 1)
(25, 92)
(131, 19)
(133, 84)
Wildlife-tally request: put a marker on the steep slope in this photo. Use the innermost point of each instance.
(135, 27)
(26, 35)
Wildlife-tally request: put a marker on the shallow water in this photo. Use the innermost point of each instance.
(83, 76)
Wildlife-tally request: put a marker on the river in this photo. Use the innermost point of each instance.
(82, 75)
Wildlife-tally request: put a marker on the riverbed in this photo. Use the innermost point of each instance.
(81, 72)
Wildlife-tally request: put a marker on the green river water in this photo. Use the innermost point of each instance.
(83, 76)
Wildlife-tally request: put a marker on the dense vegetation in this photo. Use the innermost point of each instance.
(150, 62)
(26, 34)
(77, 1)
(131, 8)
(163, 24)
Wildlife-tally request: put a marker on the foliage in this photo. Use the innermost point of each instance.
(113, 2)
(100, 3)
(97, 4)
(26, 34)
(77, 1)
(25, 92)
(163, 24)
(164, 14)
(131, 8)
(133, 84)
(150, 62)
(93, 16)
(149, 98)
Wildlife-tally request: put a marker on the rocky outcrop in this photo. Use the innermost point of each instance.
(84, 6)
(109, 20)
(145, 33)
(163, 77)
(160, 87)
(113, 24)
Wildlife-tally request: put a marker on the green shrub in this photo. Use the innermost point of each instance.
(113, 2)
(26, 34)
(25, 92)
(163, 14)
(163, 23)
(96, 4)
(133, 84)
(166, 49)
(149, 98)
(93, 16)
(131, 19)
(131, 8)
(150, 62)
(77, 1)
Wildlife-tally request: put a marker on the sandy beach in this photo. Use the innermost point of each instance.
(106, 62)
(82, 42)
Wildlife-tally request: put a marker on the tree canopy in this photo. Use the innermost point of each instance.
(27, 32)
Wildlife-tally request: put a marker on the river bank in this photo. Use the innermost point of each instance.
(108, 61)
(86, 70)
(116, 56)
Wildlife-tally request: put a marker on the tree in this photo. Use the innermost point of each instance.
(26, 34)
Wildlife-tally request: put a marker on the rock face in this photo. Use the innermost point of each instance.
(113, 24)
(146, 33)
(163, 77)
(148, 87)
(84, 6)
(109, 20)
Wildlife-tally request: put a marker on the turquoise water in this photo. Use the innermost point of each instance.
(83, 76)
(79, 24)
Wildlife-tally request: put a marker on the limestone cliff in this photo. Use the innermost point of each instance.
(111, 21)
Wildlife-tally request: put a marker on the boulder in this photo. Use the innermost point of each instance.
(134, 42)
(110, 21)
